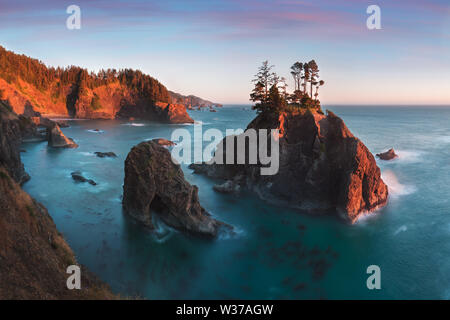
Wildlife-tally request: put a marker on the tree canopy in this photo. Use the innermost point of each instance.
(14, 67)
(270, 91)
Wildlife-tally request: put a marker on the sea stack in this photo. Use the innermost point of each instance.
(323, 167)
(155, 185)
(388, 155)
(57, 139)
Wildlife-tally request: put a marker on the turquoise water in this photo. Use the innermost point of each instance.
(277, 253)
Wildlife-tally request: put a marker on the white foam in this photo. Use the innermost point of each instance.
(403, 228)
(95, 131)
(409, 156)
(88, 154)
(444, 139)
(396, 189)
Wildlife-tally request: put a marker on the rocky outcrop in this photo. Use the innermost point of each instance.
(191, 101)
(77, 176)
(11, 130)
(388, 155)
(155, 187)
(57, 139)
(173, 113)
(33, 255)
(323, 167)
(105, 154)
(164, 142)
(159, 111)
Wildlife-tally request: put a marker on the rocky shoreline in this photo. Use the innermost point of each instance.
(33, 254)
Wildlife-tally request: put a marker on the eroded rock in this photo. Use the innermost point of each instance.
(57, 139)
(154, 185)
(388, 155)
(323, 167)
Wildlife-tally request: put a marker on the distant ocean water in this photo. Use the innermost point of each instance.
(277, 253)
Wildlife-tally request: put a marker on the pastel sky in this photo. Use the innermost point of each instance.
(212, 48)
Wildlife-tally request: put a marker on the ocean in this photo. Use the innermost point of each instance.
(276, 253)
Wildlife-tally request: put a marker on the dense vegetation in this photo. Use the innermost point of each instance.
(14, 67)
(270, 92)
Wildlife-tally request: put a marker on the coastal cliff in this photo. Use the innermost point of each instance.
(192, 101)
(33, 254)
(32, 89)
(12, 128)
(323, 167)
(154, 185)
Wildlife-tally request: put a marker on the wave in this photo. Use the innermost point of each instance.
(444, 139)
(88, 154)
(409, 156)
(95, 131)
(200, 122)
(403, 228)
(133, 124)
(396, 189)
(404, 156)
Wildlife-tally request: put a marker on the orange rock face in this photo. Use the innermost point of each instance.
(323, 167)
(104, 102)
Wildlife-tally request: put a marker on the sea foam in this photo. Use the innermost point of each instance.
(396, 189)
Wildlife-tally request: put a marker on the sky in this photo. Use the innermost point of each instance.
(213, 48)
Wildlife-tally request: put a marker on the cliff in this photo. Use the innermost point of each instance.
(154, 185)
(32, 88)
(33, 254)
(11, 130)
(192, 101)
(323, 167)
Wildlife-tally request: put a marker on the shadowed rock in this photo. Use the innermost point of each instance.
(77, 176)
(105, 154)
(154, 185)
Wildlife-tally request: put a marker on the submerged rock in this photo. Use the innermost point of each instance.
(57, 139)
(388, 155)
(323, 168)
(154, 185)
(77, 176)
(105, 154)
(228, 186)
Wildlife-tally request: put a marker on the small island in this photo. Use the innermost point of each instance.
(323, 167)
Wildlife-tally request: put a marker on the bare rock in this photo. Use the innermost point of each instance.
(77, 176)
(105, 154)
(154, 185)
(388, 155)
(57, 139)
(323, 167)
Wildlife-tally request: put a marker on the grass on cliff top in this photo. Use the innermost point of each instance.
(298, 109)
